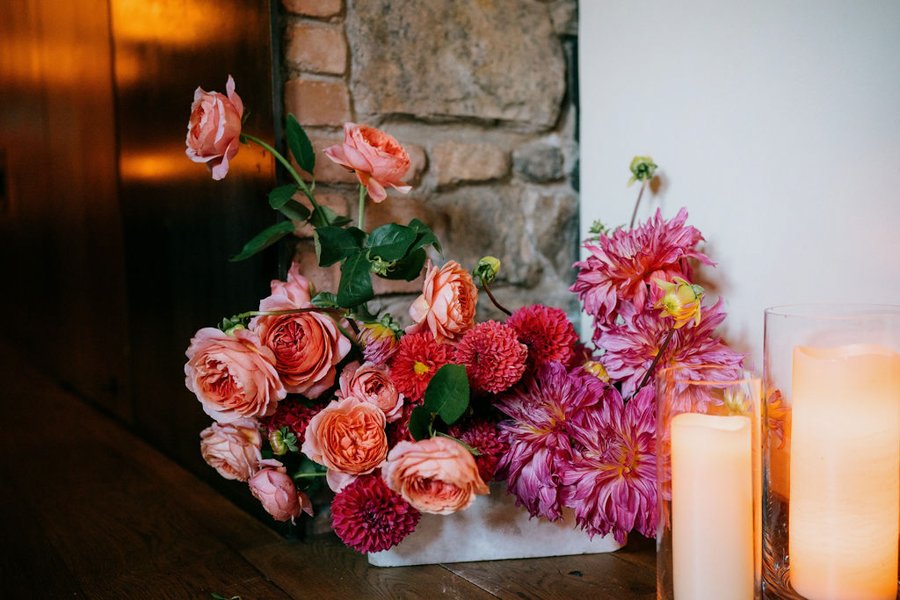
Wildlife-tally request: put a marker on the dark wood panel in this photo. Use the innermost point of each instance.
(63, 289)
(181, 226)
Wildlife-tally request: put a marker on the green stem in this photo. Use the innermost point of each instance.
(493, 299)
(307, 475)
(246, 137)
(289, 311)
(362, 207)
(636, 204)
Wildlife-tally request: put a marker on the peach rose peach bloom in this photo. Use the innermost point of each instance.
(375, 156)
(232, 449)
(214, 129)
(436, 475)
(447, 304)
(233, 376)
(371, 382)
(276, 491)
(348, 438)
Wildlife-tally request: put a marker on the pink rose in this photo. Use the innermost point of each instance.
(233, 376)
(447, 304)
(214, 129)
(307, 346)
(377, 158)
(347, 436)
(371, 383)
(276, 491)
(436, 475)
(232, 449)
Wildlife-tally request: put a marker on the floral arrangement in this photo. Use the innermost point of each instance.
(313, 389)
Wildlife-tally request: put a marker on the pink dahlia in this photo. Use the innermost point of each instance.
(611, 483)
(293, 414)
(632, 346)
(379, 342)
(493, 356)
(484, 436)
(621, 265)
(542, 414)
(417, 359)
(369, 517)
(547, 332)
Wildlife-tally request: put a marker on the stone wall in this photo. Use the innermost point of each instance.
(480, 92)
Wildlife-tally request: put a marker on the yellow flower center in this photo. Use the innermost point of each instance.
(421, 368)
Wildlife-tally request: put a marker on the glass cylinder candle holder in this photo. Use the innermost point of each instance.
(831, 452)
(708, 484)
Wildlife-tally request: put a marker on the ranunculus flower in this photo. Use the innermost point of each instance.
(276, 491)
(233, 376)
(447, 304)
(307, 346)
(436, 475)
(214, 130)
(348, 437)
(376, 157)
(370, 382)
(232, 449)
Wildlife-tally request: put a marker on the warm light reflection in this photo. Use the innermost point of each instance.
(137, 21)
(168, 164)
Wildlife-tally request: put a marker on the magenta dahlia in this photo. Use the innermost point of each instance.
(538, 433)
(417, 359)
(632, 346)
(369, 517)
(484, 436)
(547, 332)
(611, 483)
(293, 414)
(622, 264)
(493, 356)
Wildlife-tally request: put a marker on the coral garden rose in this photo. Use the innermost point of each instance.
(347, 436)
(276, 491)
(375, 156)
(447, 304)
(371, 382)
(232, 449)
(307, 346)
(435, 475)
(233, 376)
(214, 129)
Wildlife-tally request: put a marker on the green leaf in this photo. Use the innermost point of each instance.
(391, 242)
(355, 287)
(281, 195)
(472, 450)
(300, 146)
(324, 300)
(409, 268)
(447, 393)
(294, 211)
(324, 216)
(424, 236)
(264, 239)
(334, 243)
(420, 422)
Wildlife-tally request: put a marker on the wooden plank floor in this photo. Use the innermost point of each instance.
(90, 511)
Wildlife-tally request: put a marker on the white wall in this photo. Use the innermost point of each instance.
(776, 123)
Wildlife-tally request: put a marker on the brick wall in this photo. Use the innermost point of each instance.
(480, 94)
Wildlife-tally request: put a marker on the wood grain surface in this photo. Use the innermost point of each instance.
(91, 511)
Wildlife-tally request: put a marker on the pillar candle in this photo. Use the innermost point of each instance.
(712, 507)
(844, 483)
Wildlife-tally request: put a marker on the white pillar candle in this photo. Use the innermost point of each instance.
(712, 507)
(845, 473)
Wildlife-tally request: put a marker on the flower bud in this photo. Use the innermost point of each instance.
(597, 369)
(681, 300)
(276, 440)
(642, 169)
(487, 268)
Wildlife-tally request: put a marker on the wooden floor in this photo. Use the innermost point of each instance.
(90, 511)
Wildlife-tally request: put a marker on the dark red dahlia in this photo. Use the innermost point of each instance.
(547, 332)
(369, 517)
(483, 435)
(293, 414)
(493, 356)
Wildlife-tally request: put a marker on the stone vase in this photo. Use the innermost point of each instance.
(493, 528)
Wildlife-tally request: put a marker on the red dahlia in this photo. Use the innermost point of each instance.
(547, 332)
(417, 359)
(493, 356)
(483, 435)
(293, 414)
(369, 517)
